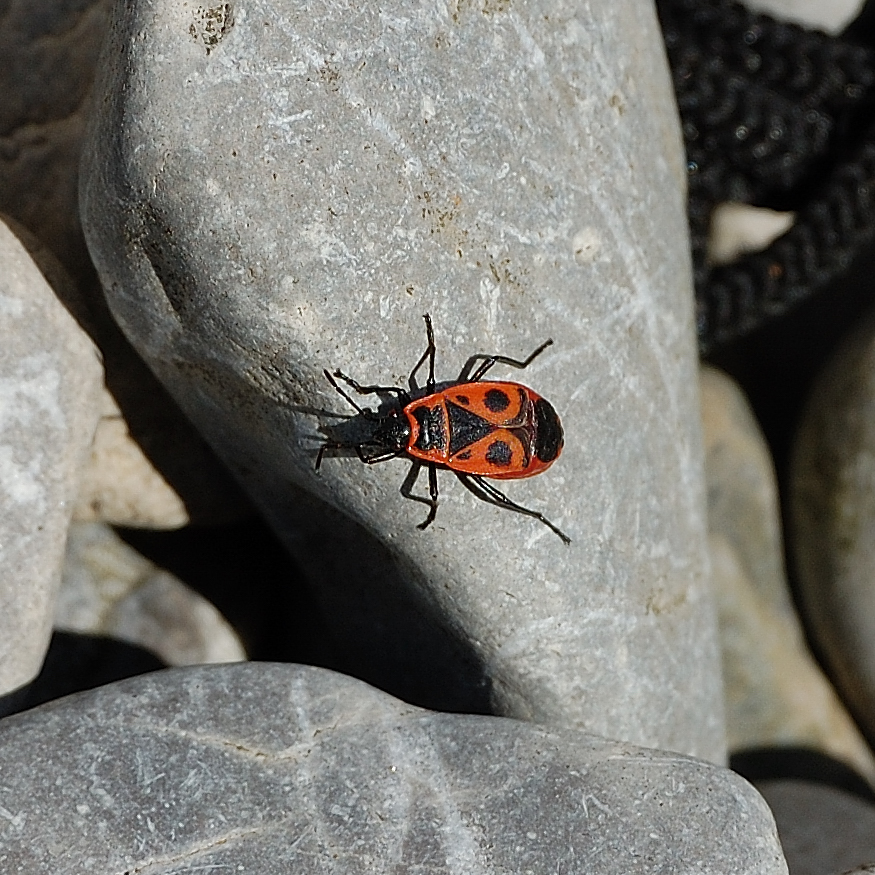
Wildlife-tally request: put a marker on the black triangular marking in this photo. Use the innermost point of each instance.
(466, 427)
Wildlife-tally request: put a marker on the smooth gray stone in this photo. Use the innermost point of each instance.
(286, 188)
(50, 379)
(290, 769)
(776, 694)
(824, 830)
(832, 503)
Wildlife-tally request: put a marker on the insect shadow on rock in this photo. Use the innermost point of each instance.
(475, 428)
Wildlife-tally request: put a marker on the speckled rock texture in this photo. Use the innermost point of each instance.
(50, 379)
(276, 188)
(108, 589)
(776, 695)
(833, 511)
(277, 768)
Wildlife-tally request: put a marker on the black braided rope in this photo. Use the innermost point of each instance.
(773, 115)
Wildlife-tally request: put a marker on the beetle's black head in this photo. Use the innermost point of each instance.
(372, 437)
(392, 431)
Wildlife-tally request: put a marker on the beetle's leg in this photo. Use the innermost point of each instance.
(407, 490)
(328, 445)
(379, 457)
(485, 491)
(428, 354)
(489, 360)
(374, 390)
(368, 414)
(433, 493)
(360, 452)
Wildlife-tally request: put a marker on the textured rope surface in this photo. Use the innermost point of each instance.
(778, 116)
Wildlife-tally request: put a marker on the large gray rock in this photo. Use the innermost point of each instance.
(288, 769)
(833, 511)
(277, 188)
(50, 379)
(776, 695)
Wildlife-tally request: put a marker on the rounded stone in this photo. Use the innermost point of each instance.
(776, 694)
(278, 768)
(832, 503)
(296, 191)
(50, 379)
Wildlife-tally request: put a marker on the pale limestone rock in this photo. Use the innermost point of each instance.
(50, 379)
(738, 229)
(120, 485)
(776, 694)
(110, 590)
(832, 16)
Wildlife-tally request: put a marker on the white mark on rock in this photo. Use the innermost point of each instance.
(598, 804)
(490, 292)
(21, 484)
(11, 306)
(412, 164)
(16, 820)
(503, 171)
(295, 117)
(428, 108)
(328, 247)
(586, 245)
(536, 57)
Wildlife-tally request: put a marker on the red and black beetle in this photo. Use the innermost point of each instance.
(476, 429)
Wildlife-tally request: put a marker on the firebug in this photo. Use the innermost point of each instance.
(475, 428)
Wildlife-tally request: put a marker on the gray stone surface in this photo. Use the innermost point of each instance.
(776, 695)
(108, 589)
(833, 511)
(288, 769)
(49, 49)
(50, 378)
(823, 830)
(48, 53)
(297, 193)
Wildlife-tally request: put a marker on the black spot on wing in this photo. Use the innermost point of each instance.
(465, 427)
(548, 431)
(464, 456)
(462, 399)
(499, 454)
(432, 428)
(496, 400)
